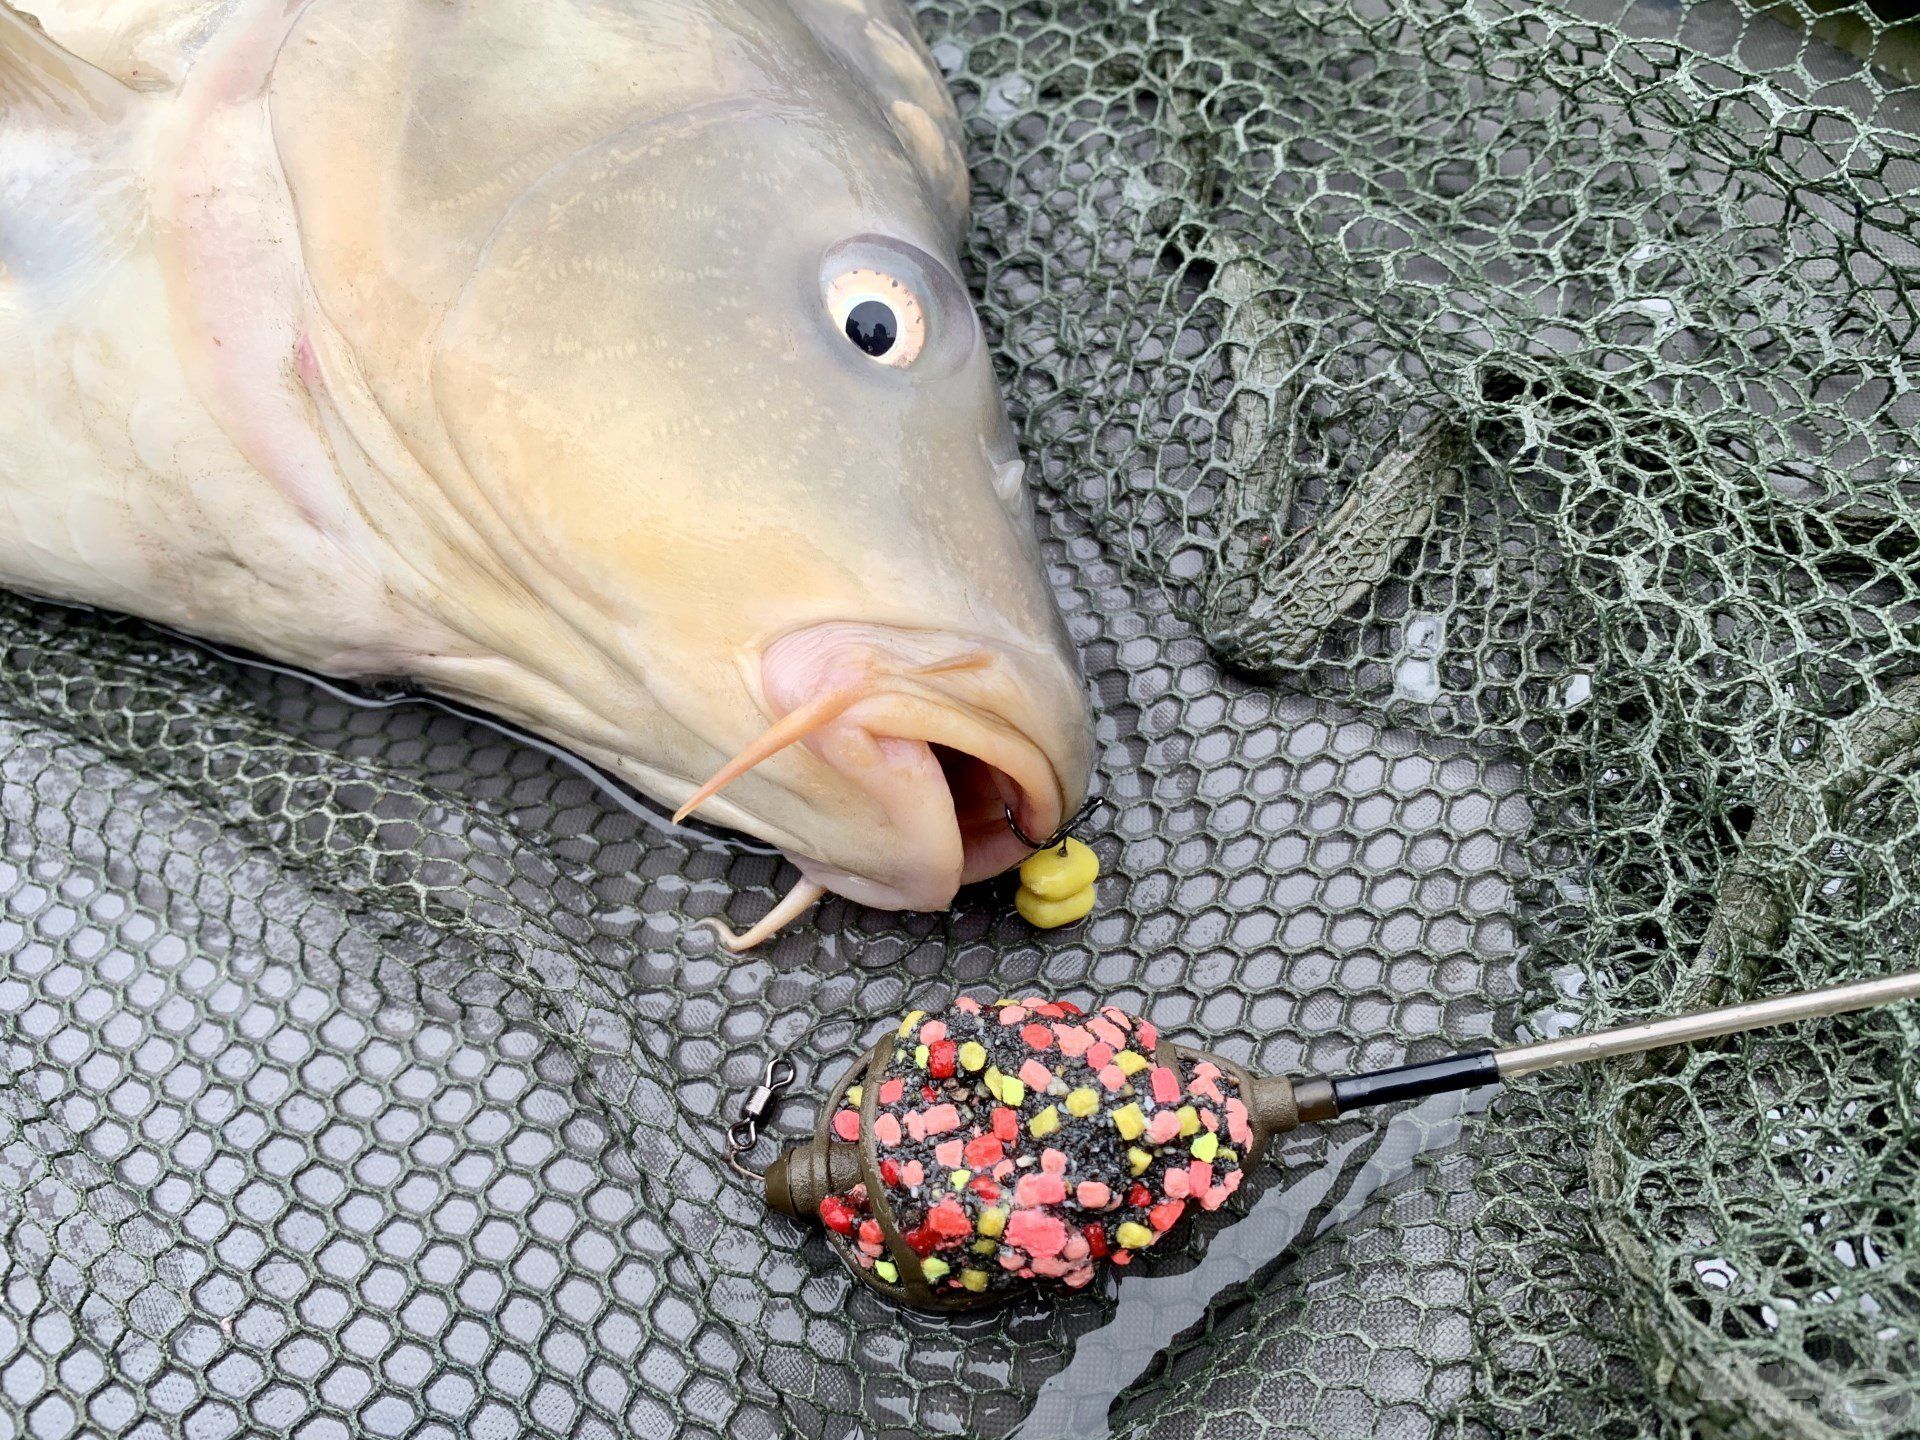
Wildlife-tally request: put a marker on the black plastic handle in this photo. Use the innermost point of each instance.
(1411, 1082)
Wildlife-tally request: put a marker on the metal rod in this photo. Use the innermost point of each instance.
(1705, 1025)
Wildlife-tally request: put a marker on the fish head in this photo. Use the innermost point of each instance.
(724, 434)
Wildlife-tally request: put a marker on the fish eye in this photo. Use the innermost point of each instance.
(879, 314)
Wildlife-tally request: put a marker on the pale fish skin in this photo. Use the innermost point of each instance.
(488, 344)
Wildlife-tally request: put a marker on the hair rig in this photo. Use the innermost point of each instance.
(978, 1151)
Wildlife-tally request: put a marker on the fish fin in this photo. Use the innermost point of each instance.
(41, 80)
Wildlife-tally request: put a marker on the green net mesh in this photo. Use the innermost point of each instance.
(1478, 466)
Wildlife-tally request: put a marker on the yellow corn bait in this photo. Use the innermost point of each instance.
(1056, 885)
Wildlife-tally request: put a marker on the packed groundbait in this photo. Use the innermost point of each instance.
(1476, 447)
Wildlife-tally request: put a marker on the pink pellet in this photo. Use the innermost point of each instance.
(1073, 1040)
(1177, 1183)
(941, 1118)
(1051, 1266)
(917, 1124)
(913, 1173)
(1053, 1162)
(1077, 1248)
(1199, 1177)
(1078, 1277)
(846, 1124)
(1036, 1232)
(1012, 1014)
(1146, 1035)
(1163, 1126)
(1113, 1077)
(1238, 1129)
(1166, 1085)
(892, 1090)
(1099, 1055)
(1036, 1036)
(1104, 1029)
(1092, 1195)
(950, 1153)
(1036, 1076)
(967, 1004)
(1037, 1190)
(886, 1129)
(933, 1032)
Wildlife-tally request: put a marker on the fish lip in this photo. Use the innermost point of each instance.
(935, 754)
(987, 765)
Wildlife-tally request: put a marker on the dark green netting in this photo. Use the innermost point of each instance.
(1478, 453)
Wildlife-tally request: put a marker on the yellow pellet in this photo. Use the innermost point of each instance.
(974, 1280)
(1189, 1121)
(914, 1017)
(959, 1178)
(972, 1055)
(1206, 1147)
(1129, 1121)
(887, 1271)
(1045, 1123)
(854, 1094)
(1131, 1062)
(1065, 869)
(1138, 1160)
(992, 1222)
(933, 1267)
(985, 1247)
(1132, 1235)
(1013, 1094)
(1052, 914)
(1083, 1101)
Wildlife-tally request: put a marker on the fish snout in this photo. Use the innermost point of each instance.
(934, 738)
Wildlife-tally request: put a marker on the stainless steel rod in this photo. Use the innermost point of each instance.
(1705, 1024)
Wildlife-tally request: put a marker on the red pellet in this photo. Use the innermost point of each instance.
(949, 1220)
(922, 1240)
(835, 1215)
(1006, 1124)
(940, 1060)
(1139, 1195)
(1096, 1240)
(983, 1152)
(889, 1171)
(1037, 1037)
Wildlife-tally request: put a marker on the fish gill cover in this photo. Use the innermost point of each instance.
(1478, 448)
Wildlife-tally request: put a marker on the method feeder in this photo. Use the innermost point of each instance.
(983, 1149)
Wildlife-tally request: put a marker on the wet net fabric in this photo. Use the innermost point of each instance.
(1475, 451)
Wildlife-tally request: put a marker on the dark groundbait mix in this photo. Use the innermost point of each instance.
(1028, 1139)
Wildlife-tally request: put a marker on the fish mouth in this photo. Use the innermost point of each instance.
(929, 747)
(947, 775)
